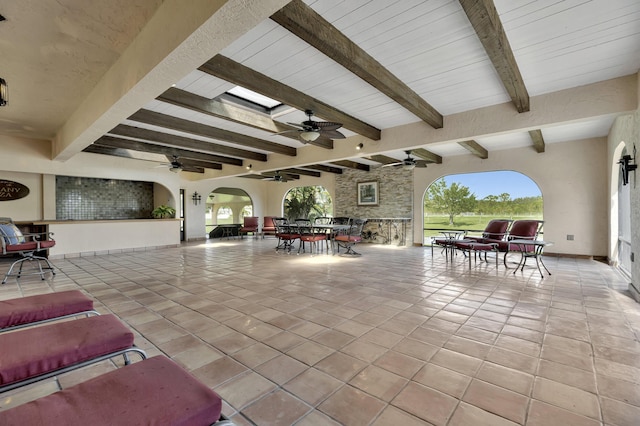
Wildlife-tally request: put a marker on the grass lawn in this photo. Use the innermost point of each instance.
(474, 224)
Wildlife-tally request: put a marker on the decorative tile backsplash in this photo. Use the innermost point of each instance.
(80, 198)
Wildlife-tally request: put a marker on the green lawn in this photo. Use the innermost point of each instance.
(469, 223)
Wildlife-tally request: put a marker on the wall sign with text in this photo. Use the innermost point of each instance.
(10, 190)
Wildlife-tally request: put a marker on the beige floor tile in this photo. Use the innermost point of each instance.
(245, 389)
(575, 377)
(352, 407)
(219, 371)
(618, 413)
(365, 351)
(281, 369)
(255, 355)
(313, 386)
(467, 414)
(393, 416)
(497, 400)
(567, 397)
(442, 379)
(467, 347)
(279, 408)
(379, 383)
(400, 364)
(508, 378)
(425, 403)
(341, 366)
(543, 414)
(455, 361)
(620, 390)
(310, 352)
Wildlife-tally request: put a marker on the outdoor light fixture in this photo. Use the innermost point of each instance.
(4, 92)
(249, 167)
(359, 146)
(627, 166)
(309, 136)
(197, 198)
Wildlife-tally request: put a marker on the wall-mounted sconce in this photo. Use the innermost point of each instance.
(627, 164)
(359, 146)
(249, 167)
(4, 92)
(197, 198)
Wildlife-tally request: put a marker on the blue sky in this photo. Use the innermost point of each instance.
(495, 183)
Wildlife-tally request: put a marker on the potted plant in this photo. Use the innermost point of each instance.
(163, 212)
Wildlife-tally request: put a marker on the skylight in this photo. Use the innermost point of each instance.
(254, 97)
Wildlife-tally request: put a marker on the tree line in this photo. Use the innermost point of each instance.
(457, 199)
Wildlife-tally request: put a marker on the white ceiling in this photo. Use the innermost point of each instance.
(60, 49)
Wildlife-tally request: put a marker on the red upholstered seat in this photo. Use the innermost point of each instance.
(35, 351)
(32, 309)
(155, 391)
(250, 225)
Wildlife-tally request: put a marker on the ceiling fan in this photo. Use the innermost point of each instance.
(311, 130)
(174, 166)
(277, 177)
(408, 163)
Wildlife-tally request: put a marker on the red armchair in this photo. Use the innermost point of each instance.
(268, 226)
(250, 225)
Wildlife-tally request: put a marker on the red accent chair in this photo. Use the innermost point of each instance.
(268, 226)
(495, 231)
(27, 246)
(250, 225)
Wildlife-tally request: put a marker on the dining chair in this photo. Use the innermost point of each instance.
(309, 234)
(352, 237)
(250, 225)
(287, 234)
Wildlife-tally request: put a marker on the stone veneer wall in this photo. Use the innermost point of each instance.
(395, 186)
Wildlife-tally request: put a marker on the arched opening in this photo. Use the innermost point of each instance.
(623, 258)
(226, 206)
(469, 201)
(307, 202)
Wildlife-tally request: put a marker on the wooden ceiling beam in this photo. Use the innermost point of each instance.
(114, 142)
(475, 148)
(486, 22)
(352, 165)
(185, 143)
(302, 172)
(233, 72)
(229, 112)
(194, 128)
(427, 155)
(383, 159)
(323, 168)
(126, 153)
(538, 140)
(311, 27)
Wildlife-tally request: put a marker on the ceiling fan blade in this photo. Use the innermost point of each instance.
(393, 164)
(288, 131)
(301, 126)
(327, 125)
(332, 134)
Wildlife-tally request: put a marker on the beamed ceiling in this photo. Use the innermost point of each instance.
(374, 66)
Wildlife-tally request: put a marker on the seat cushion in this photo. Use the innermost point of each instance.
(25, 310)
(26, 246)
(349, 238)
(155, 391)
(34, 351)
(11, 233)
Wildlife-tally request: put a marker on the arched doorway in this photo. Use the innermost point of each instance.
(624, 224)
(226, 206)
(469, 201)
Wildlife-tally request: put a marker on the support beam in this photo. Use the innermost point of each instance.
(323, 168)
(126, 153)
(538, 140)
(352, 165)
(383, 159)
(308, 25)
(427, 155)
(233, 72)
(301, 172)
(230, 112)
(114, 142)
(475, 148)
(169, 122)
(485, 21)
(185, 143)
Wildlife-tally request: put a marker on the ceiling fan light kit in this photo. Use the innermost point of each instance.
(309, 136)
(4, 92)
(310, 130)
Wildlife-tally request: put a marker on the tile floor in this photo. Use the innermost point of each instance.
(392, 337)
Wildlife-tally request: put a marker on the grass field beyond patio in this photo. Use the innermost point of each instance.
(473, 224)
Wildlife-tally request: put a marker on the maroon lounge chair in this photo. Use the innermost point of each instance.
(154, 391)
(30, 355)
(41, 308)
